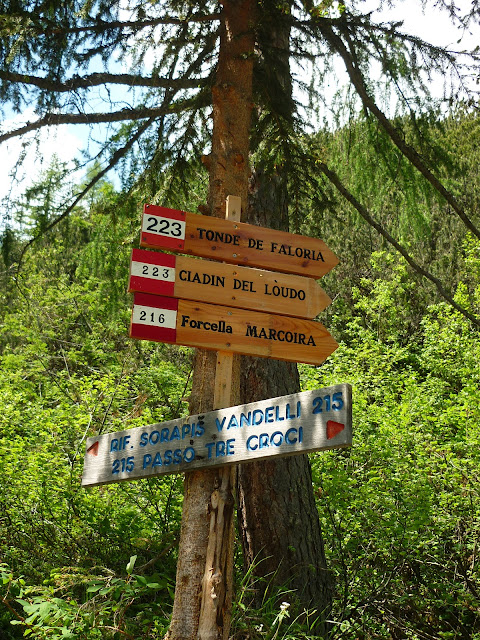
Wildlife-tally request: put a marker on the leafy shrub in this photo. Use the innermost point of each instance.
(401, 509)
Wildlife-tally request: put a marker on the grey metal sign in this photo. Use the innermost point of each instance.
(294, 424)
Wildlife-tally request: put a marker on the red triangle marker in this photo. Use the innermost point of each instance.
(333, 429)
(93, 450)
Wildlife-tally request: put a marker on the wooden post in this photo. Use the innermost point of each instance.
(228, 169)
(217, 584)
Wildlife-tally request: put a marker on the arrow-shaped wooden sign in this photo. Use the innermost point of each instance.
(197, 324)
(226, 284)
(284, 426)
(235, 242)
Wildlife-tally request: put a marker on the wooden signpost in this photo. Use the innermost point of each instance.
(234, 242)
(232, 310)
(289, 425)
(220, 283)
(220, 328)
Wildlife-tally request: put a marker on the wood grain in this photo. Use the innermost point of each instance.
(243, 433)
(231, 285)
(252, 333)
(243, 244)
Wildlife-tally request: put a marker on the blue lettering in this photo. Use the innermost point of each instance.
(246, 420)
(254, 416)
(288, 440)
(269, 414)
(263, 440)
(220, 449)
(147, 458)
(276, 438)
(278, 418)
(199, 430)
(210, 446)
(250, 446)
(157, 461)
(114, 445)
(220, 424)
(154, 437)
(169, 457)
(230, 449)
(191, 454)
(144, 439)
(300, 434)
(175, 434)
(126, 440)
(164, 435)
(233, 422)
(185, 430)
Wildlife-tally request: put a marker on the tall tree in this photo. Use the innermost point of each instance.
(287, 544)
(152, 66)
(145, 70)
(208, 507)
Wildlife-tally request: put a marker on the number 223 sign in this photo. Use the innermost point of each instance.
(235, 242)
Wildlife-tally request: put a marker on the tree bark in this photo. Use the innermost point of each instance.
(228, 175)
(278, 516)
(278, 519)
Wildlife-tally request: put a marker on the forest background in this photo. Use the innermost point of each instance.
(399, 510)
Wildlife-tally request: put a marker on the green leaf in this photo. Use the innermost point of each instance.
(24, 603)
(131, 564)
(93, 588)
(156, 585)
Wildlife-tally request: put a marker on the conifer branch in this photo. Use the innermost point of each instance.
(137, 25)
(116, 157)
(335, 180)
(55, 119)
(50, 27)
(389, 29)
(408, 151)
(95, 79)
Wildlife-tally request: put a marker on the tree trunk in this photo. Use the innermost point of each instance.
(277, 511)
(201, 564)
(278, 519)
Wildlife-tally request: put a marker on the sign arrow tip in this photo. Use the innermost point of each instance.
(93, 450)
(334, 428)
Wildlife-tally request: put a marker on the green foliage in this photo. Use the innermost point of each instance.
(272, 620)
(401, 202)
(88, 606)
(67, 371)
(401, 509)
